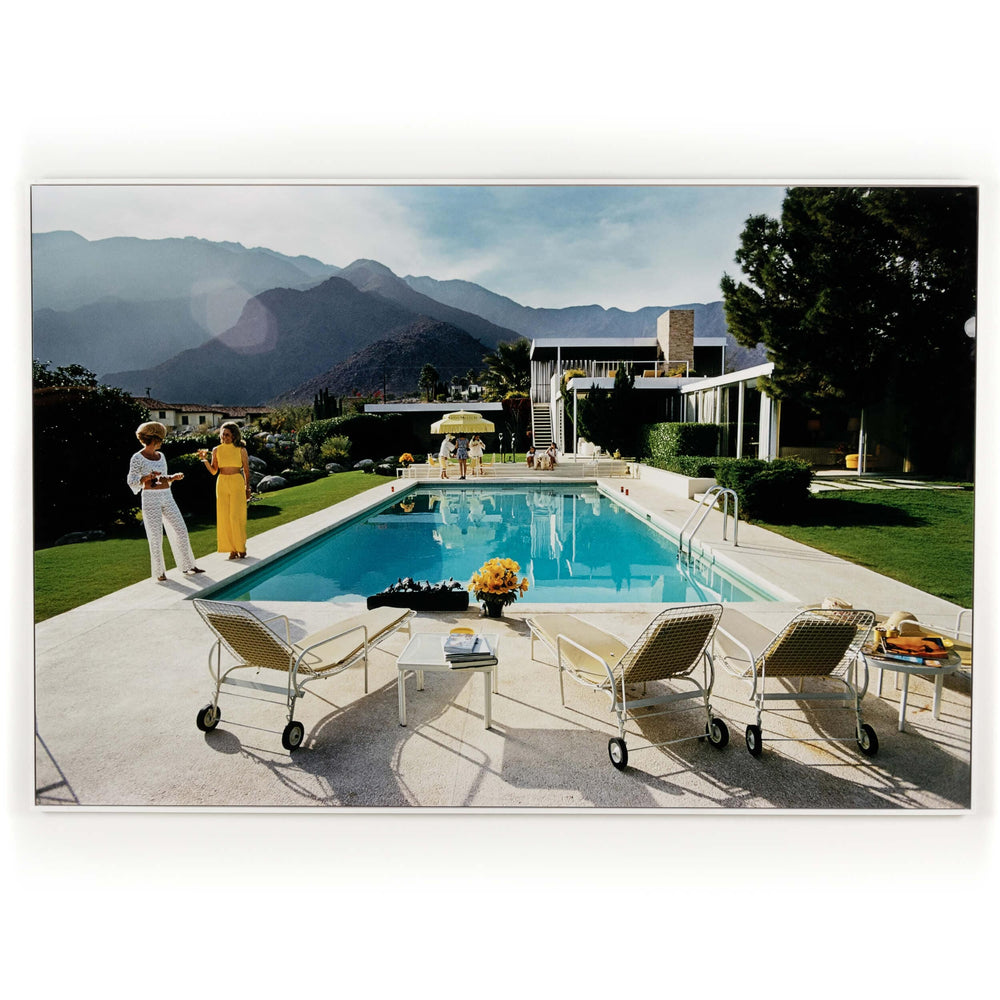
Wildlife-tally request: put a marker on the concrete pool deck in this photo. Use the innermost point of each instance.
(118, 683)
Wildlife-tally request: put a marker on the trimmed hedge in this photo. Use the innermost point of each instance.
(659, 443)
(370, 434)
(770, 491)
(692, 466)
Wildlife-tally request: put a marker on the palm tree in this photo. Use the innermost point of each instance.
(428, 381)
(507, 370)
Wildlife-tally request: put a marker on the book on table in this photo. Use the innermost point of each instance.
(468, 650)
(929, 650)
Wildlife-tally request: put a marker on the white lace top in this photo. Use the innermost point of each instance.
(141, 466)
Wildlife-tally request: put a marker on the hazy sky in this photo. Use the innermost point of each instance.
(627, 246)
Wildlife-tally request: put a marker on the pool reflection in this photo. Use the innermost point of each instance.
(573, 543)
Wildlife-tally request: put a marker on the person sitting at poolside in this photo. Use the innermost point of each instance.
(530, 457)
(552, 453)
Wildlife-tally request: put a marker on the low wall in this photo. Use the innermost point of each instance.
(672, 482)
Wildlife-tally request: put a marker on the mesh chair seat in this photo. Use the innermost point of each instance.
(255, 645)
(670, 648)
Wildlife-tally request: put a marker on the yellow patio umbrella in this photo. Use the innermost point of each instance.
(462, 422)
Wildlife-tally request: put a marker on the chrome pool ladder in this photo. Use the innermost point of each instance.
(705, 505)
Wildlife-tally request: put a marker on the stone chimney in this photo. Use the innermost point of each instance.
(675, 335)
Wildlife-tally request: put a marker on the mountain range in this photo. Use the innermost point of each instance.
(192, 320)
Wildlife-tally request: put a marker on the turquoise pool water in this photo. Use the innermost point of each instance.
(575, 545)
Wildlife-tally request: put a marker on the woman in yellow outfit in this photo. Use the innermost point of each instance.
(232, 490)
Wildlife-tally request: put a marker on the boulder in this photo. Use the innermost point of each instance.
(268, 483)
(332, 467)
(80, 536)
(365, 465)
(257, 464)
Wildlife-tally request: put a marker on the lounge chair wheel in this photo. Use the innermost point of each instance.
(718, 733)
(291, 738)
(618, 752)
(208, 718)
(867, 741)
(755, 741)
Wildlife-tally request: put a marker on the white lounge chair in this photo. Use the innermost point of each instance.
(819, 643)
(670, 648)
(256, 646)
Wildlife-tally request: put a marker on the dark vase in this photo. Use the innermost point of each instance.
(493, 609)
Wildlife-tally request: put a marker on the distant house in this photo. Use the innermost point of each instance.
(180, 416)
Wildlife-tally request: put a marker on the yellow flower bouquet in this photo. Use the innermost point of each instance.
(406, 459)
(495, 584)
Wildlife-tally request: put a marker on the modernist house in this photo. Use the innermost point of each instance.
(678, 377)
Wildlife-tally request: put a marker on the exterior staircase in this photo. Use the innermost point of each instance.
(541, 425)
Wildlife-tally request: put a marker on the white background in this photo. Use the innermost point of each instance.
(160, 903)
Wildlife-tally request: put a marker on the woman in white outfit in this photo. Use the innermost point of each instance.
(476, 452)
(147, 474)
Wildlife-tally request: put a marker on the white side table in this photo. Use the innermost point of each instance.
(937, 671)
(425, 652)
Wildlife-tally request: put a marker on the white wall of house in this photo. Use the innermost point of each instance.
(172, 418)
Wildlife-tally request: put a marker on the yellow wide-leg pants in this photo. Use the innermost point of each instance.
(231, 513)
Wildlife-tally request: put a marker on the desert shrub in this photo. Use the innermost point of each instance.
(318, 431)
(306, 456)
(336, 448)
(768, 491)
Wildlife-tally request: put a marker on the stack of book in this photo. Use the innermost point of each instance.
(464, 650)
(929, 650)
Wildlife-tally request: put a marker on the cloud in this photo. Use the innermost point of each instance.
(550, 245)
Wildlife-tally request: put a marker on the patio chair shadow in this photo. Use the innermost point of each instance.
(53, 788)
(905, 761)
(351, 755)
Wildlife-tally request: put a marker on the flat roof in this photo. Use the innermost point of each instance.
(743, 375)
(474, 406)
(549, 345)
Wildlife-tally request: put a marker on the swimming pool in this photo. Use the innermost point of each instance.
(574, 543)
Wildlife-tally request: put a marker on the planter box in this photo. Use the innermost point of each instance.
(449, 600)
(672, 482)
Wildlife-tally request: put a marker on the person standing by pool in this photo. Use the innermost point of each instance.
(462, 453)
(476, 452)
(444, 454)
(232, 490)
(147, 474)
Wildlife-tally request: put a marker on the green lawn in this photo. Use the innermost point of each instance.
(69, 575)
(920, 537)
